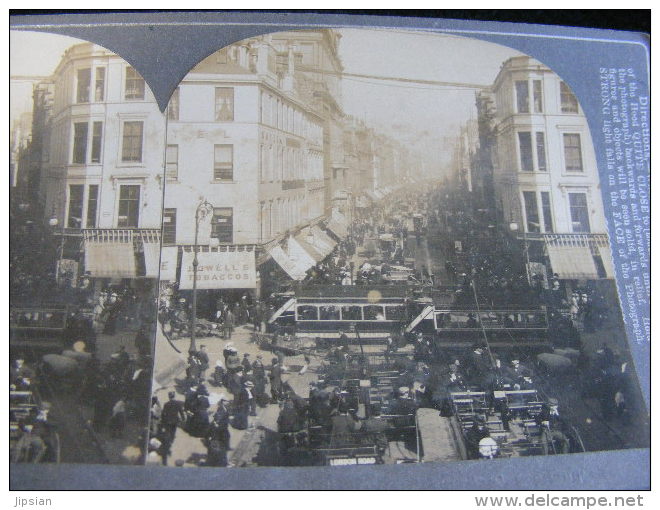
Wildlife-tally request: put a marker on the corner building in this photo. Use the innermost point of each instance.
(546, 181)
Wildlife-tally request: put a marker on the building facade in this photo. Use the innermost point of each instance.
(545, 176)
(102, 177)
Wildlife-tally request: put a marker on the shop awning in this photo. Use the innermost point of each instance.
(151, 259)
(168, 260)
(323, 240)
(219, 270)
(316, 242)
(572, 262)
(295, 261)
(337, 226)
(306, 242)
(110, 259)
(606, 256)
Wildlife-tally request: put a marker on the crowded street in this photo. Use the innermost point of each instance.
(284, 367)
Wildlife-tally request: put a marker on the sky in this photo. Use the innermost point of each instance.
(410, 108)
(32, 54)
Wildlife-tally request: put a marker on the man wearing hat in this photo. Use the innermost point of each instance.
(259, 374)
(404, 404)
(247, 365)
(276, 380)
(171, 417)
(243, 403)
(219, 428)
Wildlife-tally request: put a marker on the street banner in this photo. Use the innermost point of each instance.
(220, 270)
(168, 263)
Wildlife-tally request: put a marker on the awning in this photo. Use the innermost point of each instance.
(323, 240)
(371, 195)
(151, 259)
(337, 227)
(168, 261)
(572, 262)
(110, 259)
(220, 270)
(305, 241)
(295, 261)
(316, 243)
(379, 194)
(606, 257)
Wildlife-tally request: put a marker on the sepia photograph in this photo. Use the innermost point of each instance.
(86, 148)
(383, 258)
(334, 247)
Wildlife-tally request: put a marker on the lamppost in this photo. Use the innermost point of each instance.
(203, 209)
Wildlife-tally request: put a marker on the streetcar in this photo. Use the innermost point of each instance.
(462, 327)
(357, 312)
(37, 328)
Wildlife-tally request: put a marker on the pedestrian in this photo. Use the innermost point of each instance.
(259, 374)
(203, 359)
(118, 418)
(156, 414)
(275, 380)
(242, 406)
(219, 374)
(171, 417)
(247, 365)
(219, 428)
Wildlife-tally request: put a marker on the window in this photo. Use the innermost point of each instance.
(526, 158)
(396, 313)
(224, 104)
(522, 96)
(531, 211)
(540, 151)
(99, 85)
(132, 142)
(173, 106)
(351, 313)
(223, 162)
(97, 138)
(75, 206)
(82, 87)
(538, 96)
(329, 313)
(373, 313)
(129, 206)
(172, 162)
(308, 313)
(573, 152)
(579, 212)
(569, 103)
(92, 205)
(222, 224)
(547, 211)
(169, 226)
(80, 143)
(134, 84)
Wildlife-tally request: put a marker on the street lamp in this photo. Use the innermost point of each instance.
(203, 209)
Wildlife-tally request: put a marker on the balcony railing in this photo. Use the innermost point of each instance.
(582, 239)
(121, 235)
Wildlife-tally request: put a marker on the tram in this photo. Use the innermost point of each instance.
(458, 327)
(37, 328)
(364, 312)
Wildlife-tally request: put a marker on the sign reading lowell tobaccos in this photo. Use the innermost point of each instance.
(220, 270)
